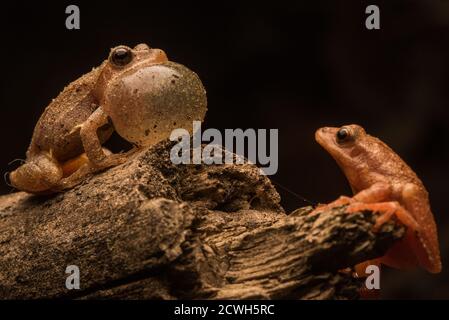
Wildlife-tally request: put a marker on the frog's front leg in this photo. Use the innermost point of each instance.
(376, 198)
(378, 192)
(386, 210)
(98, 159)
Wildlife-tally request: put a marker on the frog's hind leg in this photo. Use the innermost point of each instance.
(75, 170)
(425, 243)
(38, 174)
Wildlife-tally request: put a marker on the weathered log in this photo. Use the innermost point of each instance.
(152, 229)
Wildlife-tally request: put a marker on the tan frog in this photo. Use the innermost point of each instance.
(382, 182)
(137, 92)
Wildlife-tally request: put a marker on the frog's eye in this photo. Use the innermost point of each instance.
(343, 135)
(121, 56)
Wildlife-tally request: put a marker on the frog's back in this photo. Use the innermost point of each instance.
(387, 163)
(413, 195)
(54, 130)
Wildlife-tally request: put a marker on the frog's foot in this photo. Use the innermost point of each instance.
(362, 271)
(72, 165)
(111, 161)
(75, 178)
(38, 174)
(369, 294)
(114, 159)
(341, 201)
(387, 211)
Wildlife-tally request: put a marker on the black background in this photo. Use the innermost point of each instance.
(295, 66)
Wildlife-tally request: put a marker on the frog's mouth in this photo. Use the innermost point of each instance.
(326, 137)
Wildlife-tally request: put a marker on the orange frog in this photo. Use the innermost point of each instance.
(382, 182)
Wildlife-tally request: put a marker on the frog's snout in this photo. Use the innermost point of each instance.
(319, 135)
(321, 132)
(325, 130)
(146, 54)
(142, 47)
(325, 135)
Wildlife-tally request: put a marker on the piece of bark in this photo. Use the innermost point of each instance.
(152, 229)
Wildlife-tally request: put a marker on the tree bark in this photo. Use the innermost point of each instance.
(154, 230)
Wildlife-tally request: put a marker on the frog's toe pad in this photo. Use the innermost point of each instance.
(341, 201)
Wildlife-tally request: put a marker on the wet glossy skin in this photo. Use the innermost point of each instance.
(137, 92)
(383, 182)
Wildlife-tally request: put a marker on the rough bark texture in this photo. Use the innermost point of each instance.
(151, 229)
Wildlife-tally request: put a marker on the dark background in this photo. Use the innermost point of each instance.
(292, 66)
